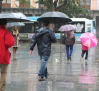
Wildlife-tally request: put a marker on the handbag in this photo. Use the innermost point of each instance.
(63, 39)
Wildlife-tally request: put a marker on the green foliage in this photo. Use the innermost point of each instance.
(25, 3)
(72, 9)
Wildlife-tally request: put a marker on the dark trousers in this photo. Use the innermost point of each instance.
(84, 52)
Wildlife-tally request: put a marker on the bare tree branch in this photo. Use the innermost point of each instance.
(62, 6)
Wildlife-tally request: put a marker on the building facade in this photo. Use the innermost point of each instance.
(16, 4)
(85, 3)
(94, 5)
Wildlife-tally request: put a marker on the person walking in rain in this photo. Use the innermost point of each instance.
(6, 41)
(84, 51)
(44, 37)
(70, 41)
(15, 34)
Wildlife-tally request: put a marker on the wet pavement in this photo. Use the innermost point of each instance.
(63, 75)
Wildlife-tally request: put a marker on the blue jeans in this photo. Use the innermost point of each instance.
(69, 52)
(43, 69)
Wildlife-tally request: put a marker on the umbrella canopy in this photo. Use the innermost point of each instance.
(15, 24)
(54, 17)
(89, 40)
(13, 17)
(67, 28)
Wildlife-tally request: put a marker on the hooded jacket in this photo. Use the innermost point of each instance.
(6, 41)
(43, 37)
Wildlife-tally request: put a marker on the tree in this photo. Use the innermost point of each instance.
(72, 8)
(52, 5)
(25, 3)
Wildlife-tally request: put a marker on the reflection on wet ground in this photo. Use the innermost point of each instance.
(63, 75)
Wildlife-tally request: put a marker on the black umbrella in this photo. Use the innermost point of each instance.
(54, 17)
(14, 17)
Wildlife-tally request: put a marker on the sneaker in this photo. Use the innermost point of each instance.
(42, 79)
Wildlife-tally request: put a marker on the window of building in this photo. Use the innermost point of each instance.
(8, 1)
(81, 2)
(87, 2)
(4, 1)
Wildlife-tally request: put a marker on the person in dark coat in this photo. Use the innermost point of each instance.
(44, 37)
(70, 41)
(6, 41)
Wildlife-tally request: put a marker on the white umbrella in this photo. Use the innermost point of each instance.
(11, 24)
(14, 17)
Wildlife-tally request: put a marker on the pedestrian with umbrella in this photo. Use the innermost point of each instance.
(70, 39)
(15, 34)
(88, 40)
(44, 37)
(6, 42)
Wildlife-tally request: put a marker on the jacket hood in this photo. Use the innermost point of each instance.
(41, 31)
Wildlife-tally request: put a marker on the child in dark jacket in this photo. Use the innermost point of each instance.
(84, 51)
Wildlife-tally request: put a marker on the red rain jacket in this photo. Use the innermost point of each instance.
(6, 41)
(84, 47)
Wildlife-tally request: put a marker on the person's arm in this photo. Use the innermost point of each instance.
(53, 37)
(32, 45)
(9, 40)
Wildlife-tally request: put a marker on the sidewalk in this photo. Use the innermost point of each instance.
(63, 76)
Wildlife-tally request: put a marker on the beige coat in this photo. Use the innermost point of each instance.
(16, 38)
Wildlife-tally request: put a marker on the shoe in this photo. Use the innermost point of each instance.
(46, 77)
(42, 79)
(70, 58)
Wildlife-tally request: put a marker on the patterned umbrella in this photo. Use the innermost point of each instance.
(89, 40)
(67, 28)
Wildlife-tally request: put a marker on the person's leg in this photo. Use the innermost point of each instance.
(86, 57)
(83, 52)
(14, 51)
(40, 68)
(71, 50)
(46, 72)
(43, 67)
(4, 68)
(67, 51)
